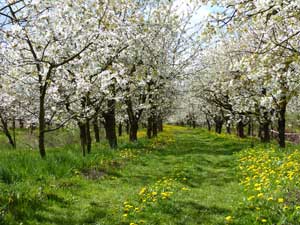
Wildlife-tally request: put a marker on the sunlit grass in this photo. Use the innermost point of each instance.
(183, 176)
(271, 183)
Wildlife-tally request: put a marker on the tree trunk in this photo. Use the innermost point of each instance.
(194, 124)
(6, 132)
(260, 131)
(160, 125)
(42, 123)
(133, 130)
(110, 124)
(219, 125)
(149, 127)
(83, 139)
(265, 132)
(154, 126)
(96, 129)
(228, 129)
(281, 127)
(134, 118)
(208, 124)
(14, 132)
(249, 129)
(88, 137)
(240, 129)
(120, 129)
(21, 123)
(127, 126)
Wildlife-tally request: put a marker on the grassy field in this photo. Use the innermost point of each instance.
(185, 176)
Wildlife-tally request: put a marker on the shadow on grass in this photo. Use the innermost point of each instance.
(201, 158)
(197, 213)
(217, 147)
(205, 160)
(60, 216)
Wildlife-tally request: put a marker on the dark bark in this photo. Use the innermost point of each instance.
(249, 131)
(240, 129)
(7, 132)
(189, 121)
(194, 124)
(127, 126)
(265, 132)
(208, 124)
(83, 139)
(219, 124)
(21, 123)
(154, 126)
(252, 128)
(14, 132)
(149, 127)
(32, 128)
(260, 131)
(120, 129)
(42, 123)
(88, 137)
(134, 118)
(160, 125)
(281, 127)
(110, 124)
(133, 130)
(228, 129)
(96, 130)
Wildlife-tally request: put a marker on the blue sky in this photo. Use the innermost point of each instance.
(202, 13)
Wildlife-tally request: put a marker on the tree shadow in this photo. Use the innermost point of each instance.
(198, 213)
(60, 216)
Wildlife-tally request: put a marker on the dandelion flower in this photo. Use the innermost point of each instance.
(251, 198)
(280, 200)
(228, 218)
(260, 195)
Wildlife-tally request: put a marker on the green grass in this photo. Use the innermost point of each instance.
(69, 189)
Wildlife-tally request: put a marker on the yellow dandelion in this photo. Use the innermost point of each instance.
(251, 198)
(258, 189)
(228, 218)
(260, 195)
(142, 191)
(280, 200)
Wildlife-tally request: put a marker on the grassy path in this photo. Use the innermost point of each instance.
(208, 161)
(206, 167)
